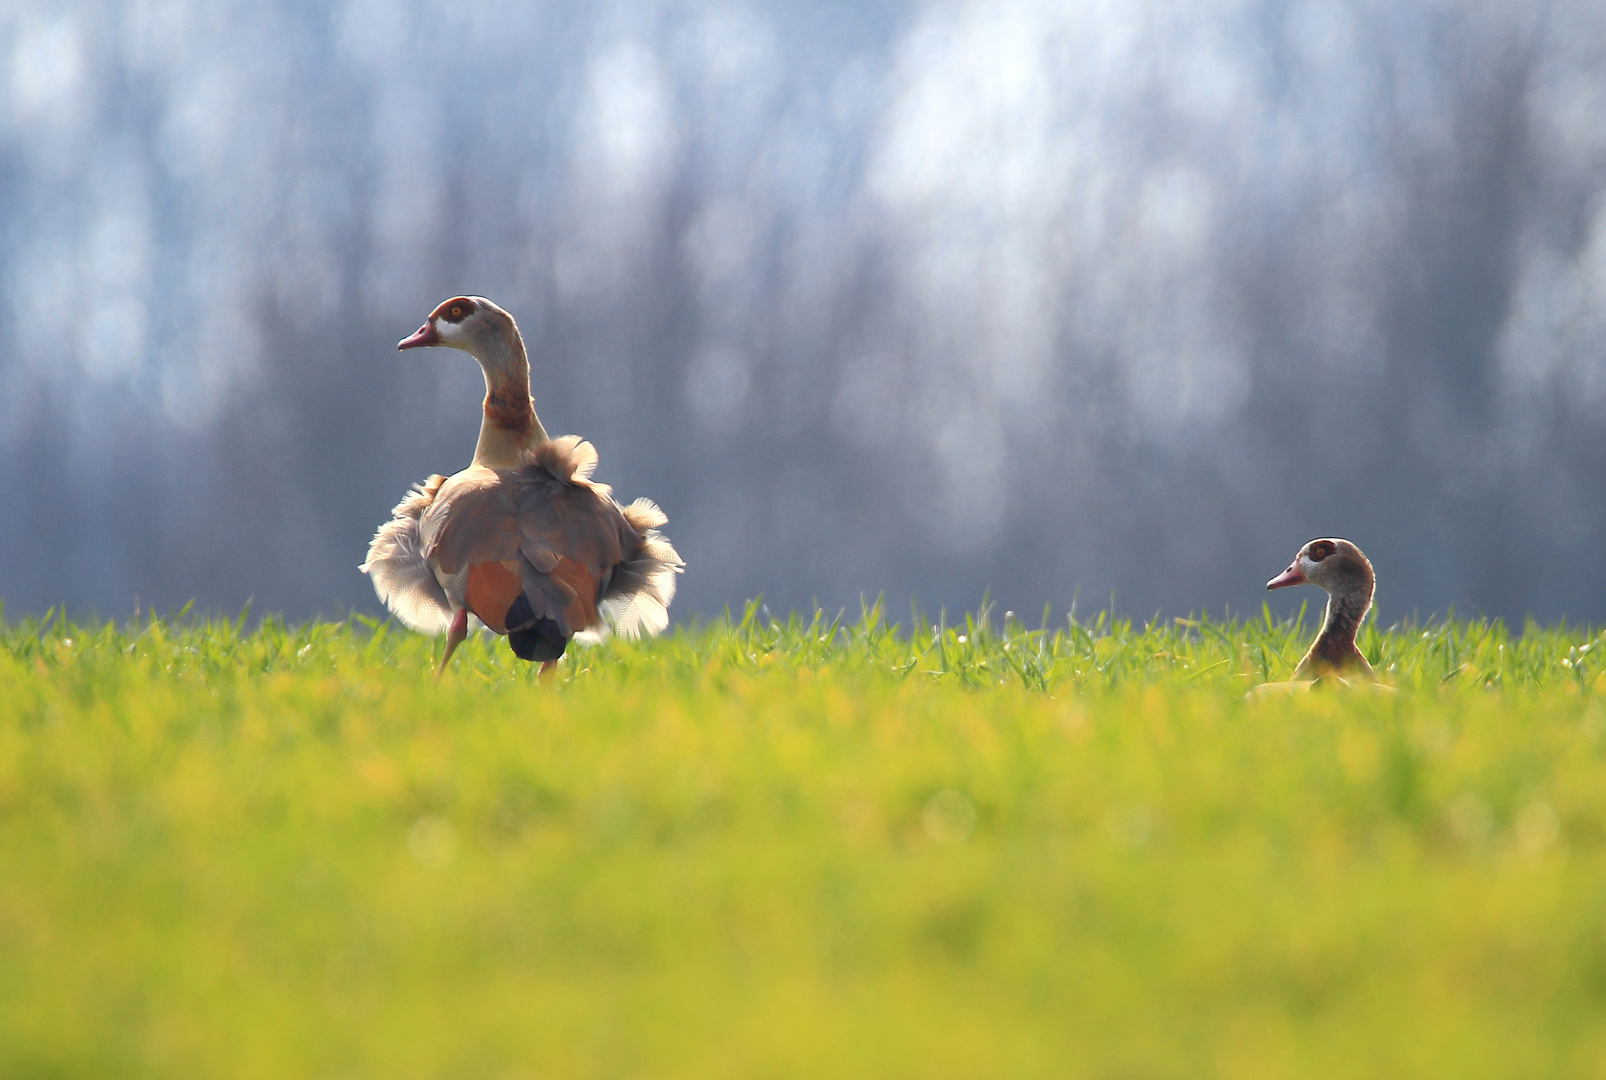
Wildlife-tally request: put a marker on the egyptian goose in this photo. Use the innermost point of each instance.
(522, 538)
(1339, 568)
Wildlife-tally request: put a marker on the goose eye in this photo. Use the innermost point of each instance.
(456, 310)
(1318, 552)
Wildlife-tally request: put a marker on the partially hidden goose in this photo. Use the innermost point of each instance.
(522, 538)
(1338, 567)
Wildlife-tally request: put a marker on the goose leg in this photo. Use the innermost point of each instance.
(546, 670)
(454, 637)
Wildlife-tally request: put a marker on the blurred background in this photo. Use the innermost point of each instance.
(1044, 300)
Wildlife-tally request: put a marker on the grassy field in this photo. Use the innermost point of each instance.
(791, 849)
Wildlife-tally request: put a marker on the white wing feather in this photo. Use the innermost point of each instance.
(401, 576)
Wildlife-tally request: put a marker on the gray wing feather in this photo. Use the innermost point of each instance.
(562, 512)
(471, 520)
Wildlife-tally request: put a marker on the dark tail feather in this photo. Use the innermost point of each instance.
(534, 639)
(543, 641)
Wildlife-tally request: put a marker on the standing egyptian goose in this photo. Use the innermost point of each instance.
(1338, 567)
(522, 538)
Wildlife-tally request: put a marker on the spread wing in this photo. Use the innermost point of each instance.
(544, 542)
(401, 575)
(636, 600)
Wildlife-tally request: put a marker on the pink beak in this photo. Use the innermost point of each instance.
(1292, 576)
(424, 335)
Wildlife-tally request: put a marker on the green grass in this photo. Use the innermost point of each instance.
(800, 849)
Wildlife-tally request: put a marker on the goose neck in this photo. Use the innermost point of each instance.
(1343, 621)
(509, 425)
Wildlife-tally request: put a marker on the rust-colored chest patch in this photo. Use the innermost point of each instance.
(490, 591)
(580, 612)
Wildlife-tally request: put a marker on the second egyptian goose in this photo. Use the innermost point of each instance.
(523, 538)
(1338, 567)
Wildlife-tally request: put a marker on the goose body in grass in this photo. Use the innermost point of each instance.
(523, 538)
(1345, 574)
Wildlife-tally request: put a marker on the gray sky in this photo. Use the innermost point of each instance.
(923, 300)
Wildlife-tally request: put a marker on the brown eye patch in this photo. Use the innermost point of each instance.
(1320, 550)
(455, 310)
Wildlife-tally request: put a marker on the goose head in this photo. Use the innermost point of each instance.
(471, 323)
(489, 334)
(1337, 566)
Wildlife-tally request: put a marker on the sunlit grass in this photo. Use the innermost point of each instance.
(800, 847)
